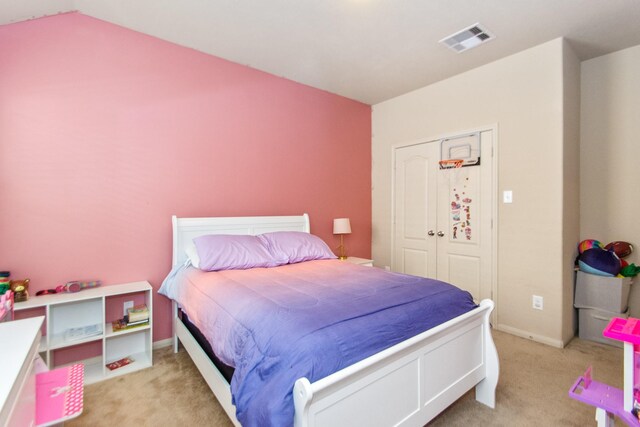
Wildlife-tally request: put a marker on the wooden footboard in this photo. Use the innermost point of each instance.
(407, 384)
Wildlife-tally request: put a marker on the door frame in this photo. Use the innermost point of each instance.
(494, 204)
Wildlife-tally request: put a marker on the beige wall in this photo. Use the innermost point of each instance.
(610, 149)
(571, 184)
(523, 95)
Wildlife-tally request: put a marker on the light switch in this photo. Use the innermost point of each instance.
(507, 196)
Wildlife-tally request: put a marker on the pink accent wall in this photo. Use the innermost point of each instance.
(105, 133)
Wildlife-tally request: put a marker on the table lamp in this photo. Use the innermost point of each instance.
(341, 226)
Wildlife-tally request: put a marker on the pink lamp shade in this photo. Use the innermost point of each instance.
(341, 226)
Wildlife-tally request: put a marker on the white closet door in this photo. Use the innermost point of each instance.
(443, 218)
(416, 174)
(464, 224)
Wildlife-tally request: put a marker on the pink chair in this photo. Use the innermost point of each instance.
(59, 395)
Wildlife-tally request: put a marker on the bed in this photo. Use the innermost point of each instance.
(406, 384)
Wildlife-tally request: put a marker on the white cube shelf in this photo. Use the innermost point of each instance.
(65, 312)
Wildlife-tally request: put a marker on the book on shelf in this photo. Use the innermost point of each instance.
(124, 324)
(75, 334)
(138, 313)
(119, 363)
(136, 322)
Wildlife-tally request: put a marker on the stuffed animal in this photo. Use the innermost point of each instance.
(5, 282)
(589, 244)
(599, 261)
(622, 249)
(20, 289)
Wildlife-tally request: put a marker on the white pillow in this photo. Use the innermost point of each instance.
(192, 254)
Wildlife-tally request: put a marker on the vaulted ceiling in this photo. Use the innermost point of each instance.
(368, 50)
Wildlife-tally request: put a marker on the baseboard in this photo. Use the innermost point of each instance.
(162, 343)
(525, 334)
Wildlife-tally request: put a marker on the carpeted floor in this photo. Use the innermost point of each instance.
(532, 391)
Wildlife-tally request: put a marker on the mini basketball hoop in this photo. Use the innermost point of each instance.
(463, 148)
(451, 163)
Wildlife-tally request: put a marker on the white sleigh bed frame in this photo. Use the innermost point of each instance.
(406, 385)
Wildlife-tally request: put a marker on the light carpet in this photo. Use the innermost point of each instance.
(532, 390)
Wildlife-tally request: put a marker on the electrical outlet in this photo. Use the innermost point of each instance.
(125, 306)
(386, 267)
(507, 196)
(538, 302)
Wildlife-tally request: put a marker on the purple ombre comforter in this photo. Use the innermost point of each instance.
(275, 325)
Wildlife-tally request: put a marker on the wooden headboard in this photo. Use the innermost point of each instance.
(186, 229)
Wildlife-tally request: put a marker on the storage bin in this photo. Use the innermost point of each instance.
(634, 302)
(602, 293)
(591, 323)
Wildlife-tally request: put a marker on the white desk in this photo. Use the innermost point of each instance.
(19, 341)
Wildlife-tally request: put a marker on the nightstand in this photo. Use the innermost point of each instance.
(360, 261)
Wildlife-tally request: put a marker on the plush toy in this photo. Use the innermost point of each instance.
(622, 249)
(20, 288)
(588, 244)
(5, 282)
(6, 306)
(630, 270)
(600, 262)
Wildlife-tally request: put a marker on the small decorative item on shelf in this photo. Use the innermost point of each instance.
(20, 290)
(77, 285)
(119, 363)
(123, 324)
(46, 292)
(6, 306)
(73, 286)
(136, 316)
(138, 313)
(5, 282)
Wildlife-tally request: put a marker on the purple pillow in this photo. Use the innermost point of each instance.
(231, 252)
(296, 246)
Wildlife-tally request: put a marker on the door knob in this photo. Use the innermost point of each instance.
(431, 233)
(440, 234)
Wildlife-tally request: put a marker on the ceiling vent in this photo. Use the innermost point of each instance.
(466, 39)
